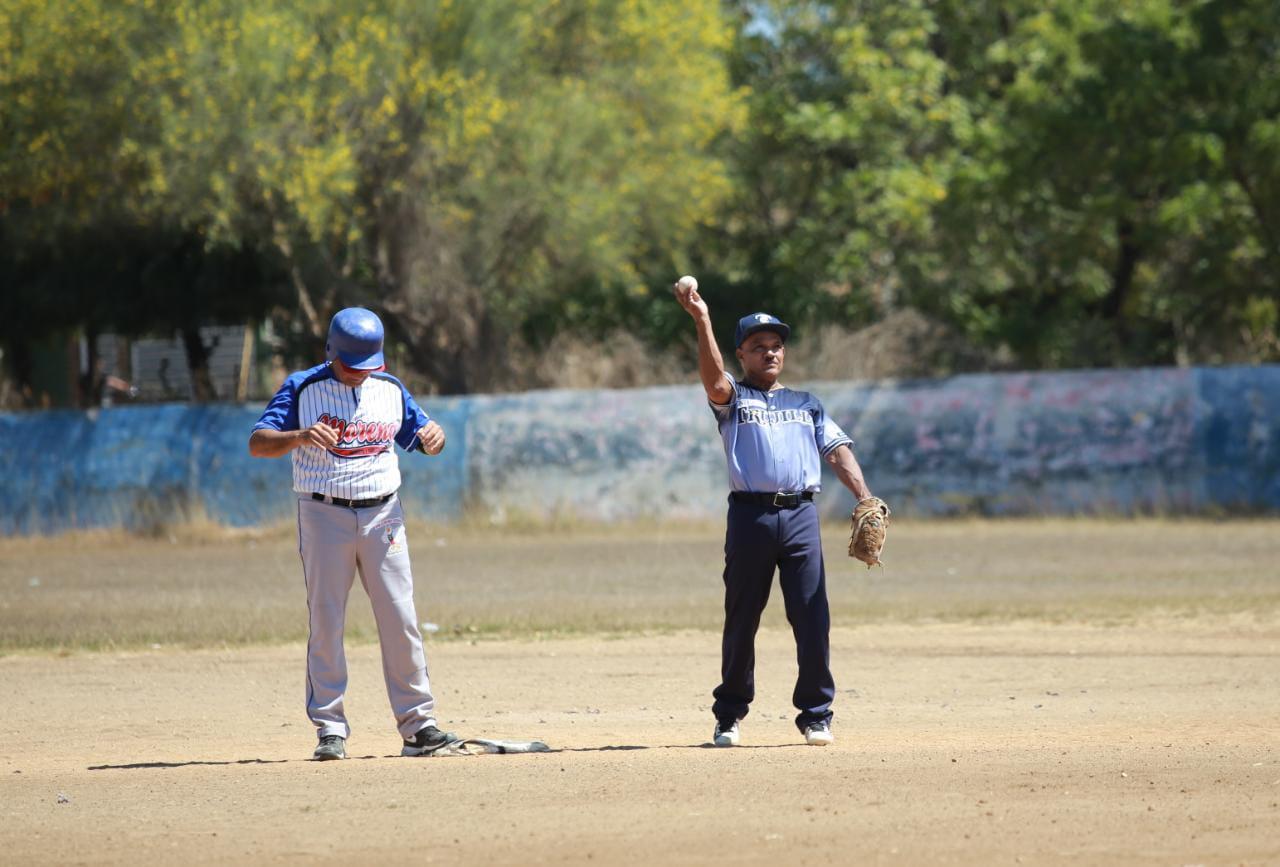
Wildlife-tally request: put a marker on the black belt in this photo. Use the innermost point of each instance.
(353, 504)
(782, 499)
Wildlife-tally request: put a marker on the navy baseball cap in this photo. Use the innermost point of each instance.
(751, 323)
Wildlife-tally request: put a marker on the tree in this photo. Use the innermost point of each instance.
(1065, 181)
(484, 173)
(1114, 197)
(473, 170)
(86, 240)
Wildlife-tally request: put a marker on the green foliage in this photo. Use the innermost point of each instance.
(1076, 182)
(1068, 183)
(476, 169)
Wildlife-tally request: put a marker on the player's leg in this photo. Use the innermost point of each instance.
(387, 578)
(750, 554)
(327, 542)
(804, 590)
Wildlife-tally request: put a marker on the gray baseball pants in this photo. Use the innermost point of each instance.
(336, 542)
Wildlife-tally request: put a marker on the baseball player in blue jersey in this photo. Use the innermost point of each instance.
(340, 422)
(775, 440)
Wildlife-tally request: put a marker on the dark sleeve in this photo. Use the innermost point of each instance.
(415, 419)
(282, 412)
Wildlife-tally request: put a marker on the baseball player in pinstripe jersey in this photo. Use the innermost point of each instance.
(775, 440)
(340, 422)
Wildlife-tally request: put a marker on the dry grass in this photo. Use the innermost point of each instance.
(904, 344)
(203, 586)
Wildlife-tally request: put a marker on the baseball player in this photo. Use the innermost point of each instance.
(775, 439)
(340, 421)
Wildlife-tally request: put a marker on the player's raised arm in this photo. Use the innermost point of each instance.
(710, 363)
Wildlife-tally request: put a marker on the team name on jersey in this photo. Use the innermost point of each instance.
(758, 416)
(360, 438)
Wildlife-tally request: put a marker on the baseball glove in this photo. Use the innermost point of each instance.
(870, 526)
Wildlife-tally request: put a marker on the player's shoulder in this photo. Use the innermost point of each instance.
(391, 381)
(794, 398)
(300, 379)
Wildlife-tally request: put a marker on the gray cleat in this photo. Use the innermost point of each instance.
(331, 747)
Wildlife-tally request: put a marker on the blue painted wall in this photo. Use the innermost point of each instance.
(1135, 441)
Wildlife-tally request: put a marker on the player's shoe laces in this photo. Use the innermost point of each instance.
(818, 734)
(726, 733)
(427, 741)
(330, 747)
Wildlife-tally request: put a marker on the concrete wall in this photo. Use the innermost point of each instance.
(1153, 440)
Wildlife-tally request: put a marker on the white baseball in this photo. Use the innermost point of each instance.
(687, 284)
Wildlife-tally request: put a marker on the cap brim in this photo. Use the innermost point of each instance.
(362, 362)
(784, 331)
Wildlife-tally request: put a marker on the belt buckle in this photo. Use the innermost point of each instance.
(777, 504)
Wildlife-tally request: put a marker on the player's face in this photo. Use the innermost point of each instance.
(762, 355)
(349, 377)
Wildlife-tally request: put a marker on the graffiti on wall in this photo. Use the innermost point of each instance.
(1124, 442)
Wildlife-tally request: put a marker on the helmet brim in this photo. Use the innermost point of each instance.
(361, 361)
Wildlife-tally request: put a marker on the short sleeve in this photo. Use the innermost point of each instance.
(828, 435)
(723, 411)
(415, 419)
(282, 412)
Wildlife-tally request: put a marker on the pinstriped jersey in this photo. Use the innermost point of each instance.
(775, 440)
(370, 421)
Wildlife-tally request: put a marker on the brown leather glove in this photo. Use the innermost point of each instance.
(870, 527)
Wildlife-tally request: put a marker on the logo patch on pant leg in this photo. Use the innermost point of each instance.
(393, 534)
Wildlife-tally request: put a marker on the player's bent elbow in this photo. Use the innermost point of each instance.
(260, 445)
(720, 396)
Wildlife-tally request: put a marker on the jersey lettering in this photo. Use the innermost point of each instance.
(749, 415)
(361, 438)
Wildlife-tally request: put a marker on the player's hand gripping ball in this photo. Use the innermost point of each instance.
(686, 292)
(870, 528)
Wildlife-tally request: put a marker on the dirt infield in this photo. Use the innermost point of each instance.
(956, 744)
(1036, 693)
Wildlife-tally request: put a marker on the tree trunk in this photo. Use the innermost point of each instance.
(198, 355)
(89, 384)
(1121, 283)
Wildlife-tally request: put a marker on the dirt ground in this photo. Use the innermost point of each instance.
(1035, 692)
(956, 744)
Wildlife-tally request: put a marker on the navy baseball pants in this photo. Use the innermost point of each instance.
(759, 540)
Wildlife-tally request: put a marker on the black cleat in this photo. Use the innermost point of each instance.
(427, 741)
(330, 747)
(818, 734)
(727, 733)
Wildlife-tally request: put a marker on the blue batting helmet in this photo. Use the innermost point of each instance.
(355, 338)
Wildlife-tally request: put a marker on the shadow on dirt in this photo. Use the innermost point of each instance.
(147, 765)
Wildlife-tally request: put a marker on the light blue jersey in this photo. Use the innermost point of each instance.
(776, 440)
